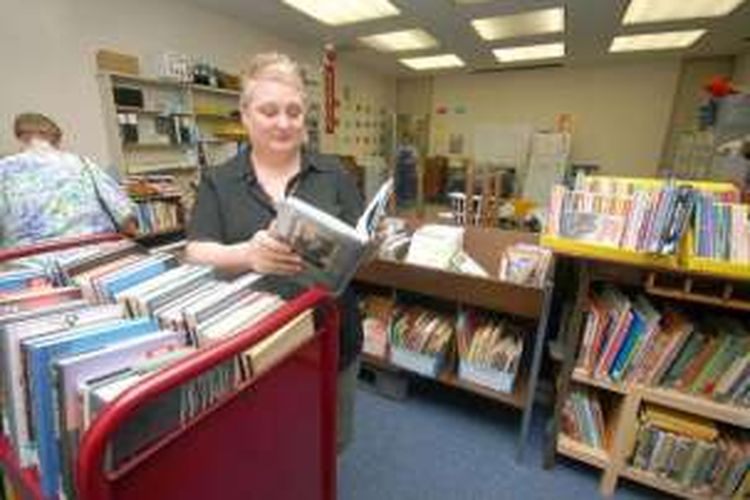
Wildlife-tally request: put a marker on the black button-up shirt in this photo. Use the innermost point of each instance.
(232, 206)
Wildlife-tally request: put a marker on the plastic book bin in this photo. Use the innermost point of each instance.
(422, 364)
(487, 377)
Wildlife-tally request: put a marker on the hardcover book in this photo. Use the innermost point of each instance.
(331, 249)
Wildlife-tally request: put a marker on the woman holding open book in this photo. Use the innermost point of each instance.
(232, 223)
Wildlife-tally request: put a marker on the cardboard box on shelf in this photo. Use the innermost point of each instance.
(117, 62)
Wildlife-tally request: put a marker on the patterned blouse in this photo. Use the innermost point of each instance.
(46, 193)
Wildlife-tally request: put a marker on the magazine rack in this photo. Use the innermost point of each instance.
(271, 437)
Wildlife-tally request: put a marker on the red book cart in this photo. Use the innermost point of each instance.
(273, 437)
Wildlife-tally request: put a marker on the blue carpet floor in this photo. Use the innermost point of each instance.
(445, 444)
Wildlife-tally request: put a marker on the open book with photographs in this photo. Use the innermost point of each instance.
(331, 249)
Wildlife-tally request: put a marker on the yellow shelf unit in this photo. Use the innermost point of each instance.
(683, 261)
(655, 182)
(593, 261)
(585, 250)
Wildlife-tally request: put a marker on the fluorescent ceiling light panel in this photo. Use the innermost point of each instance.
(433, 62)
(537, 22)
(338, 12)
(654, 11)
(530, 52)
(400, 40)
(656, 41)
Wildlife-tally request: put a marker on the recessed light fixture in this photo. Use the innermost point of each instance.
(400, 40)
(536, 22)
(433, 62)
(654, 11)
(530, 52)
(656, 41)
(338, 12)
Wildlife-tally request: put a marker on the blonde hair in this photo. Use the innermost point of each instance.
(37, 125)
(275, 67)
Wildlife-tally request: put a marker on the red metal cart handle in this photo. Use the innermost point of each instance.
(92, 481)
(55, 245)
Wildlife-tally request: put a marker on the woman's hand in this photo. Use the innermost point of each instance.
(268, 255)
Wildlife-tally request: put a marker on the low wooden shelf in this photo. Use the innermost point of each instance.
(703, 407)
(516, 399)
(577, 450)
(467, 290)
(486, 247)
(660, 483)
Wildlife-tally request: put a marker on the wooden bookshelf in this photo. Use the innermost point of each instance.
(217, 116)
(517, 398)
(143, 80)
(577, 450)
(166, 167)
(582, 377)
(467, 290)
(528, 304)
(215, 90)
(703, 407)
(156, 145)
(586, 268)
(155, 112)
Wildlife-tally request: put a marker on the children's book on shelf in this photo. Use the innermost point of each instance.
(583, 418)
(722, 230)
(633, 341)
(525, 264)
(377, 312)
(331, 249)
(489, 351)
(648, 217)
(692, 453)
(420, 339)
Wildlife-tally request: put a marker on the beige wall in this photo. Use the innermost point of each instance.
(620, 110)
(742, 71)
(414, 96)
(47, 51)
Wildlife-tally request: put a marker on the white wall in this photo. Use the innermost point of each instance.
(620, 111)
(47, 52)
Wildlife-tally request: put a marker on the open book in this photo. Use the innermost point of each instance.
(331, 249)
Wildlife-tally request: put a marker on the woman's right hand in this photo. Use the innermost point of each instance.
(268, 255)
